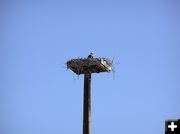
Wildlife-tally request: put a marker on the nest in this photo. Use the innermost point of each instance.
(89, 65)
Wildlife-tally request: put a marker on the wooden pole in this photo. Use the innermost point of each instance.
(87, 104)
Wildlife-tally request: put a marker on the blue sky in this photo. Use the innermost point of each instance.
(38, 95)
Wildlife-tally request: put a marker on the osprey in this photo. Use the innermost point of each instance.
(90, 56)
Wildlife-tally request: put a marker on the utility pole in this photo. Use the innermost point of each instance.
(87, 104)
(87, 66)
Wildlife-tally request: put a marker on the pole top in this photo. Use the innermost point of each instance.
(89, 65)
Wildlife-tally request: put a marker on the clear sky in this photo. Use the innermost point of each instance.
(38, 95)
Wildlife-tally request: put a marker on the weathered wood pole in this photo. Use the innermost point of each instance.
(87, 104)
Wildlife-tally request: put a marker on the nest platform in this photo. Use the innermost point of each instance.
(89, 65)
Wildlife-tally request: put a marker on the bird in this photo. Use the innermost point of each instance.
(90, 56)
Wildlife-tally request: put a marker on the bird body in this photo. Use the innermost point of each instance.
(90, 56)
